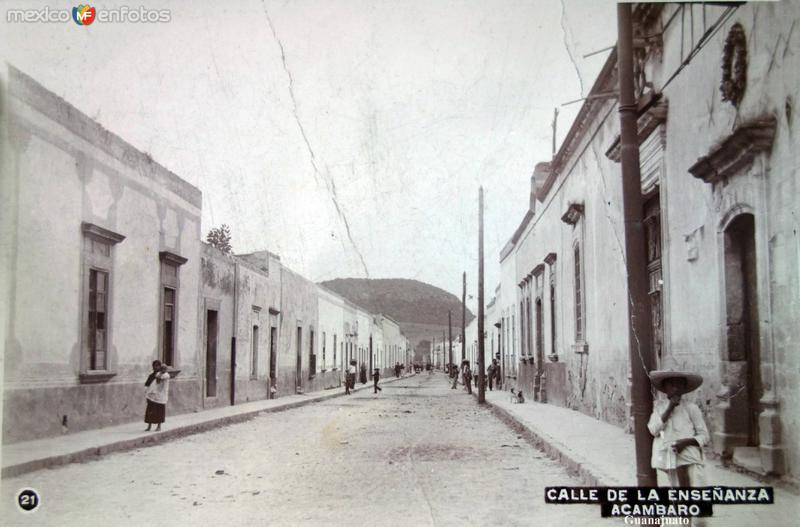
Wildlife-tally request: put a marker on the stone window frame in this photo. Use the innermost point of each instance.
(579, 295)
(312, 356)
(95, 237)
(274, 337)
(538, 303)
(731, 167)
(521, 324)
(575, 217)
(526, 319)
(324, 344)
(551, 260)
(255, 344)
(254, 351)
(334, 353)
(514, 344)
(169, 259)
(210, 304)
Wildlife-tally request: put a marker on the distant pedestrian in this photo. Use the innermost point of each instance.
(350, 378)
(376, 376)
(156, 394)
(679, 429)
(466, 374)
(498, 376)
(363, 374)
(490, 373)
(397, 369)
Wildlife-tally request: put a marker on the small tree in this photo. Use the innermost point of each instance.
(220, 237)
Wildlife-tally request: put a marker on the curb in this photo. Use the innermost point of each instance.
(94, 453)
(575, 464)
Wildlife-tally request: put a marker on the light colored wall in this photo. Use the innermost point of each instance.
(597, 379)
(331, 321)
(508, 307)
(393, 342)
(364, 321)
(299, 303)
(698, 119)
(471, 333)
(692, 213)
(257, 292)
(69, 170)
(378, 342)
(217, 292)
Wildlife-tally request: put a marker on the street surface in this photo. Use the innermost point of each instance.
(416, 454)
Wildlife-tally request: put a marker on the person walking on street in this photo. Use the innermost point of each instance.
(490, 373)
(156, 394)
(350, 378)
(466, 373)
(376, 376)
(679, 429)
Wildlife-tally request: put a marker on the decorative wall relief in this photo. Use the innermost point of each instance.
(693, 241)
(734, 66)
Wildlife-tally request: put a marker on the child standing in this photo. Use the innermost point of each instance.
(376, 376)
(679, 429)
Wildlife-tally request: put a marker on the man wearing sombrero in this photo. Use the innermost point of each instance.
(678, 428)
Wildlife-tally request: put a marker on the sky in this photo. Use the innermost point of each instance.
(349, 137)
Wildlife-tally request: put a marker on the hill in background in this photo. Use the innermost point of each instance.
(419, 308)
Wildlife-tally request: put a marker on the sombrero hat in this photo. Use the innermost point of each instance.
(693, 380)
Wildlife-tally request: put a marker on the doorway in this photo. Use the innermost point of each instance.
(298, 379)
(539, 336)
(652, 237)
(538, 381)
(741, 320)
(273, 343)
(212, 331)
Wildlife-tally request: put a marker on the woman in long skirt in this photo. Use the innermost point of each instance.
(156, 394)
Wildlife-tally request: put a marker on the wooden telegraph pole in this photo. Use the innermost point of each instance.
(639, 326)
(464, 318)
(444, 354)
(481, 346)
(450, 334)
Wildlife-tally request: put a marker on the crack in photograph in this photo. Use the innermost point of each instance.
(402, 263)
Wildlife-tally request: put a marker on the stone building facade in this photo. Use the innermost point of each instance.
(105, 272)
(105, 265)
(719, 181)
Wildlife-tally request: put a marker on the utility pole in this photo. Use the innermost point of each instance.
(639, 325)
(464, 318)
(443, 352)
(450, 334)
(481, 343)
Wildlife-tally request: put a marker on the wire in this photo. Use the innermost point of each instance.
(701, 43)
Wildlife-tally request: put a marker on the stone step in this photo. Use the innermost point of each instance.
(749, 458)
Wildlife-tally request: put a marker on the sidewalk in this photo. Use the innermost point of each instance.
(603, 455)
(20, 458)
